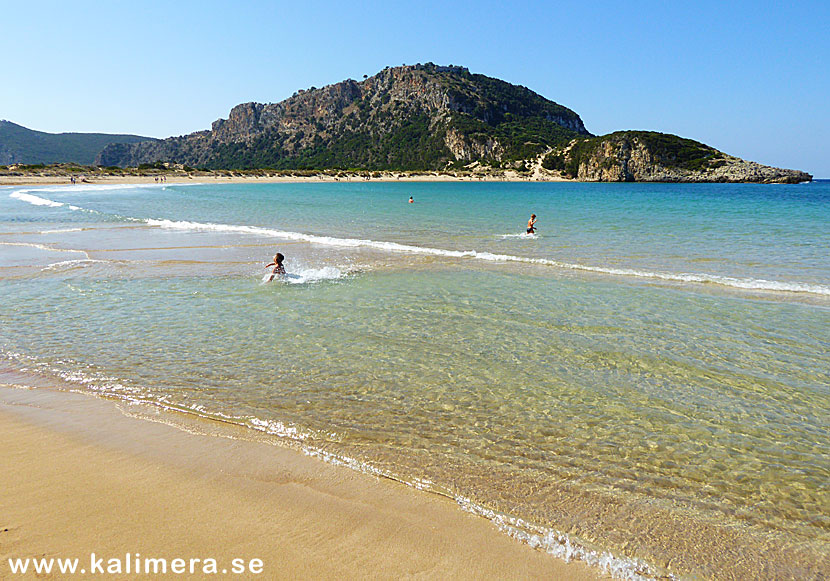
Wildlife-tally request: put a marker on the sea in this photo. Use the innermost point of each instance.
(643, 384)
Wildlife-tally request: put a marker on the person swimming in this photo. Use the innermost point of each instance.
(279, 269)
(411, 201)
(531, 224)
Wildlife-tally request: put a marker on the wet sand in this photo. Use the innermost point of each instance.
(80, 474)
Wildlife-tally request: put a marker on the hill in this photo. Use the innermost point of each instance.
(648, 156)
(407, 118)
(429, 117)
(21, 145)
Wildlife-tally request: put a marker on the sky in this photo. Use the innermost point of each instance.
(751, 78)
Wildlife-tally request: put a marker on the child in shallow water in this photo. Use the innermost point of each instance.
(277, 264)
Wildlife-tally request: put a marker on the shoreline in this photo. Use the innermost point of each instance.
(389, 177)
(84, 474)
(223, 178)
(687, 544)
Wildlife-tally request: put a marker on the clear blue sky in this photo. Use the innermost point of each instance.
(750, 78)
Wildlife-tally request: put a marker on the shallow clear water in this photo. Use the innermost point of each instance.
(648, 376)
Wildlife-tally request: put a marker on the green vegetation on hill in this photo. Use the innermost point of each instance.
(667, 150)
(21, 145)
(494, 101)
(383, 141)
(434, 118)
(416, 118)
(554, 162)
(674, 151)
(519, 138)
(411, 146)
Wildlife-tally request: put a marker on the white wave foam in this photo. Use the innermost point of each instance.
(24, 196)
(94, 187)
(94, 381)
(563, 546)
(17, 386)
(307, 275)
(704, 278)
(742, 283)
(315, 274)
(278, 428)
(552, 542)
(521, 235)
(68, 264)
(28, 195)
(42, 247)
(60, 230)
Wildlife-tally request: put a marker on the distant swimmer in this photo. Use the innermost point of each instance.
(279, 269)
(411, 201)
(531, 224)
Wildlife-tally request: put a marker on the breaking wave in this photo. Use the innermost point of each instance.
(24, 196)
(683, 277)
(741, 283)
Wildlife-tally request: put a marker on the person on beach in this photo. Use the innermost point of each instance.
(279, 269)
(531, 224)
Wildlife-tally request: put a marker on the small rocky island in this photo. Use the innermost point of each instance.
(438, 118)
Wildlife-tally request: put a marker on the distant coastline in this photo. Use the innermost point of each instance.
(404, 122)
(58, 174)
(62, 174)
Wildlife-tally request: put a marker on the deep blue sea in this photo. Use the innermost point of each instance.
(643, 384)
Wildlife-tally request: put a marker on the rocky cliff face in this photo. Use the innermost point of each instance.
(411, 117)
(426, 117)
(644, 156)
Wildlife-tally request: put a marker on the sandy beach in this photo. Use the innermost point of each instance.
(612, 392)
(36, 179)
(79, 475)
(116, 180)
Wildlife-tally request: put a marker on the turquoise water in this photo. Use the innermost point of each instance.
(645, 383)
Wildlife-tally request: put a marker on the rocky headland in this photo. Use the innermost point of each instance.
(434, 118)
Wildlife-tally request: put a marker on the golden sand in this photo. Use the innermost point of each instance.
(79, 474)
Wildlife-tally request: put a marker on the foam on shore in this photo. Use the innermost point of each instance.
(742, 283)
(683, 277)
(553, 542)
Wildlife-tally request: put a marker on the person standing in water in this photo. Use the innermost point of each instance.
(411, 201)
(531, 224)
(279, 269)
